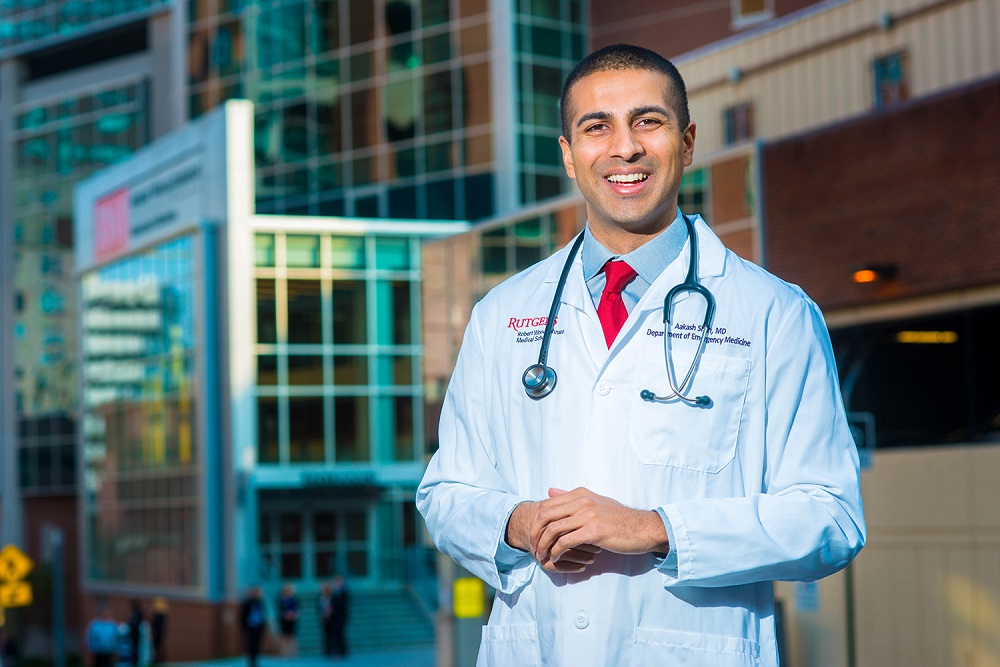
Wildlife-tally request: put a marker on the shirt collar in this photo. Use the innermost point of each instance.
(649, 260)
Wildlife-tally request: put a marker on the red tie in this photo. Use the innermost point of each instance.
(611, 309)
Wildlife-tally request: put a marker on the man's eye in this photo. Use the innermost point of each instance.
(647, 122)
(597, 127)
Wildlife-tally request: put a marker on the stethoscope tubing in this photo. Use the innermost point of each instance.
(539, 379)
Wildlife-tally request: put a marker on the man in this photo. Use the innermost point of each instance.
(252, 621)
(618, 530)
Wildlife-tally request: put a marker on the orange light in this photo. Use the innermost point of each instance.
(865, 276)
(927, 337)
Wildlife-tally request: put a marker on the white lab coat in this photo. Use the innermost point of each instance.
(761, 486)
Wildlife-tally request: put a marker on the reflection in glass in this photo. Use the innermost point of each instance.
(140, 416)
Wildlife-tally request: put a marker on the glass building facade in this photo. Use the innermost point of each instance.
(415, 110)
(388, 108)
(143, 460)
(28, 22)
(57, 142)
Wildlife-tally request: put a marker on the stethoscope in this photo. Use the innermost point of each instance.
(540, 379)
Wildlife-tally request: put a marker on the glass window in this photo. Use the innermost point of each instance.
(267, 370)
(305, 312)
(494, 252)
(528, 243)
(404, 428)
(305, 370)
(350, 313)
(890, 77)
(350, 370)
(351, 415)
(738, 123)
(306, 429)
(267, 327)
(302, 251)
(392, 254)
(437, 102)
(692, 197)
(362, 21)
(348, 252)
(267, 430)
(393, 319)
(395, 370)
(327, 25)
(141, 413)
(264, 249)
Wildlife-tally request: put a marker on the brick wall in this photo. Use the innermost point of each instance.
(917, 187)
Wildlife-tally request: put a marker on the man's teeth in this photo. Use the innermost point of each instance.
(627, 178)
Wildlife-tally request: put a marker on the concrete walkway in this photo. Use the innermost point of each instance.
(394, 659)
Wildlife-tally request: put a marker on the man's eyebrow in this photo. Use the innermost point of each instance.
(638, 111)
(652, 108)
(593, 115)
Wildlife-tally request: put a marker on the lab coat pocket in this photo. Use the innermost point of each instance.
(681, 435)
(515, 644)
(692, 649)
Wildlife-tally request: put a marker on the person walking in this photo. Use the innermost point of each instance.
(102, 637)
(252, 621)
(158, 630)
(288, 617)
(333, 615)
(135, 621)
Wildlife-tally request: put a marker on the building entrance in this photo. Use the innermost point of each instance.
(307, 545)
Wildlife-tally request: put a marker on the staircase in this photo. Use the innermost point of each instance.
(378, 620)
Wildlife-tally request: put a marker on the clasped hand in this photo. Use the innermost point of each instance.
(565, 532)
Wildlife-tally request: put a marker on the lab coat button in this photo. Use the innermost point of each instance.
(604, 389)
(581, 621)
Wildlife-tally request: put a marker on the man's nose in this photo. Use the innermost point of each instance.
(624, 144)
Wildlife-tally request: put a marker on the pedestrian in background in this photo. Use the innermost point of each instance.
(158, 629)
(135, 620)
(288, 616)
(338, 616)
(252, 621)
(102, 637)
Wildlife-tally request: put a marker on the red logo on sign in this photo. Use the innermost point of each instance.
(111, 225)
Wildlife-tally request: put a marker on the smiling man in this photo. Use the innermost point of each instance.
(694, 447)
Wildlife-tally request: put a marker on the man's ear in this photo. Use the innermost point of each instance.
(689, 133)
(567, 153)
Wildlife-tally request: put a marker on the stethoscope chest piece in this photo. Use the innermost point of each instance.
(539, 380)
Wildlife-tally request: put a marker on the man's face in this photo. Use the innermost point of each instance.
(626, 151)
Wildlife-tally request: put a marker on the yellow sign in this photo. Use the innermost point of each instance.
(15, 595)
(14, 564)
(467, 598)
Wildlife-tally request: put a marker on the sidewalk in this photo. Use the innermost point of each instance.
(423, 658)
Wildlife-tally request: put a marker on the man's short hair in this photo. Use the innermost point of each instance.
(625, 57)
